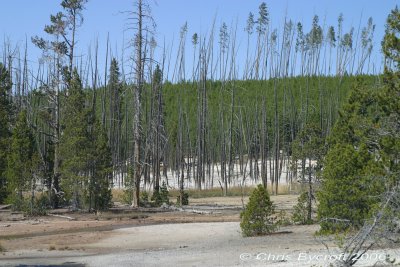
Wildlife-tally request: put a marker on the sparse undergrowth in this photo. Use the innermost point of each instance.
(300, 210)
(2, 248)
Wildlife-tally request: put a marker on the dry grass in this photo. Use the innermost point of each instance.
(118, 195)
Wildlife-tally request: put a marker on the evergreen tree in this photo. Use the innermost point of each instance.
(75, 143)
(5, 126)
(391, 41)
(22, 161)
(387, 135)
(363, 162)
(116, 114)
(309, 146)
(257, 218)
(99, 188)
(349, 181)
(61, 46)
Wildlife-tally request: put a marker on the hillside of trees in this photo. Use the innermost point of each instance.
(73, 132)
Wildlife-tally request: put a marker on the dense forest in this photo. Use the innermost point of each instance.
(70, 131)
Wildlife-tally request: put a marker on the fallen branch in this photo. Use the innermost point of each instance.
(192, 210)
(63, 216)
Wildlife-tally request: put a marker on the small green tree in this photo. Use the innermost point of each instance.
(99, 188)
(256, 218)
(300, 211)
(5, 126)
(185, 198)
(162, 196)
(22, 162)
(349, 190)
(75, 143)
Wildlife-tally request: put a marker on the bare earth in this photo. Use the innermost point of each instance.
(163, 238)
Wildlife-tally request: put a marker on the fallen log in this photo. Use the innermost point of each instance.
(192, 210)
(63, 216)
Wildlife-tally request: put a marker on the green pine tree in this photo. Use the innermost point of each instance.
(363, 160)
(346, 198)
(5, 126)
(257, 218)
(389, 98)
(22, 161)
(99, 188)
(350, 187)
(75, 143)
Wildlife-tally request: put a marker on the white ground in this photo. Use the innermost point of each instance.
(194, 244)
(214, 180)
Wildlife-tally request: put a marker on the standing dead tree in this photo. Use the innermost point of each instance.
(142, 23)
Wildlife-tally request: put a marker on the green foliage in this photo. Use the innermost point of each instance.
(127, 196)
(32, 206)
(99, 188)
(248, 96)
(349, 188)
(248, 100)
(144, 198)
(162, 196)
(185, 198)
(309, 144)
(364, 146)
(75, 143)
(257, 217)
(6, 111)
(86, 157)
(300, 211)
(309, 147)
(391, 40)
(283, 219)
(23, 160)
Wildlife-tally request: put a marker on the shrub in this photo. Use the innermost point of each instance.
(256, 218)
(144, 198)
(127, 196)
(300, 211)
(2, 249)
(283, 219)
(185, 199)
(37, 206)
(162, 196)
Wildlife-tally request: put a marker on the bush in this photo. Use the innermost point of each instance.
(162, 196)
(40, 205)
(348, 184)
(283, 219)
(144, 198)
(2, 249)
(256, 218)
(36, 207)
(185, 199)
(300, 211)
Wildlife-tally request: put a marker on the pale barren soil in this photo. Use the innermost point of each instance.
(127, 237)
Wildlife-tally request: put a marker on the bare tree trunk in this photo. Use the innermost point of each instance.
(137, 102)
